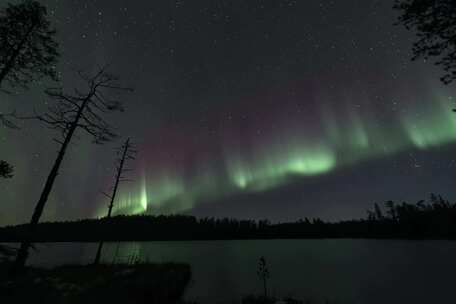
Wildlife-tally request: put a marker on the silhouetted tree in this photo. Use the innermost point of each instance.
(371, 216)
(125, 153)
(28, 50)
(435, 24)
(378, 212)
(83, 111)
(391, 210)
(263, 274)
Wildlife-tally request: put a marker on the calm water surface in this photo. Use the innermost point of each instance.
(341, 271)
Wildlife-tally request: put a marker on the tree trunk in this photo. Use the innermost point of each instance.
(113, 196)
(98, 255)
(22, 253)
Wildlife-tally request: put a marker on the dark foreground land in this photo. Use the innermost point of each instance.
(138, 283)
(119, 283)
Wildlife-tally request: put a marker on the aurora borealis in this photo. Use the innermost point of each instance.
(251, 109)
(259, 162)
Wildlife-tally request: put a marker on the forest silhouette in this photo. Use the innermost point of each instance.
(434, 219)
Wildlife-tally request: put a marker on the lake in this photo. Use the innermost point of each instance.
(341, 271)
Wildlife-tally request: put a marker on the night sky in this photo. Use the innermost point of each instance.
(249, 109)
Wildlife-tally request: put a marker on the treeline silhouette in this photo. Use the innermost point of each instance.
(435, 219)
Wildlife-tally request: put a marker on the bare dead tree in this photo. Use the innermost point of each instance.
(80, 111)
(125, 153)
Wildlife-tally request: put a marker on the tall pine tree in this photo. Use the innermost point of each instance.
(28, 50)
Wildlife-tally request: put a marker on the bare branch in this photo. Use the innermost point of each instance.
(105, 194)
(83, 110)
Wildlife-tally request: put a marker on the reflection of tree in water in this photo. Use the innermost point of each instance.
(125, 253)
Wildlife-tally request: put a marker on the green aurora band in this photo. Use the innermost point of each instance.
(342, 140)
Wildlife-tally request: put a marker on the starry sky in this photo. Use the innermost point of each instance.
(251, 109)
